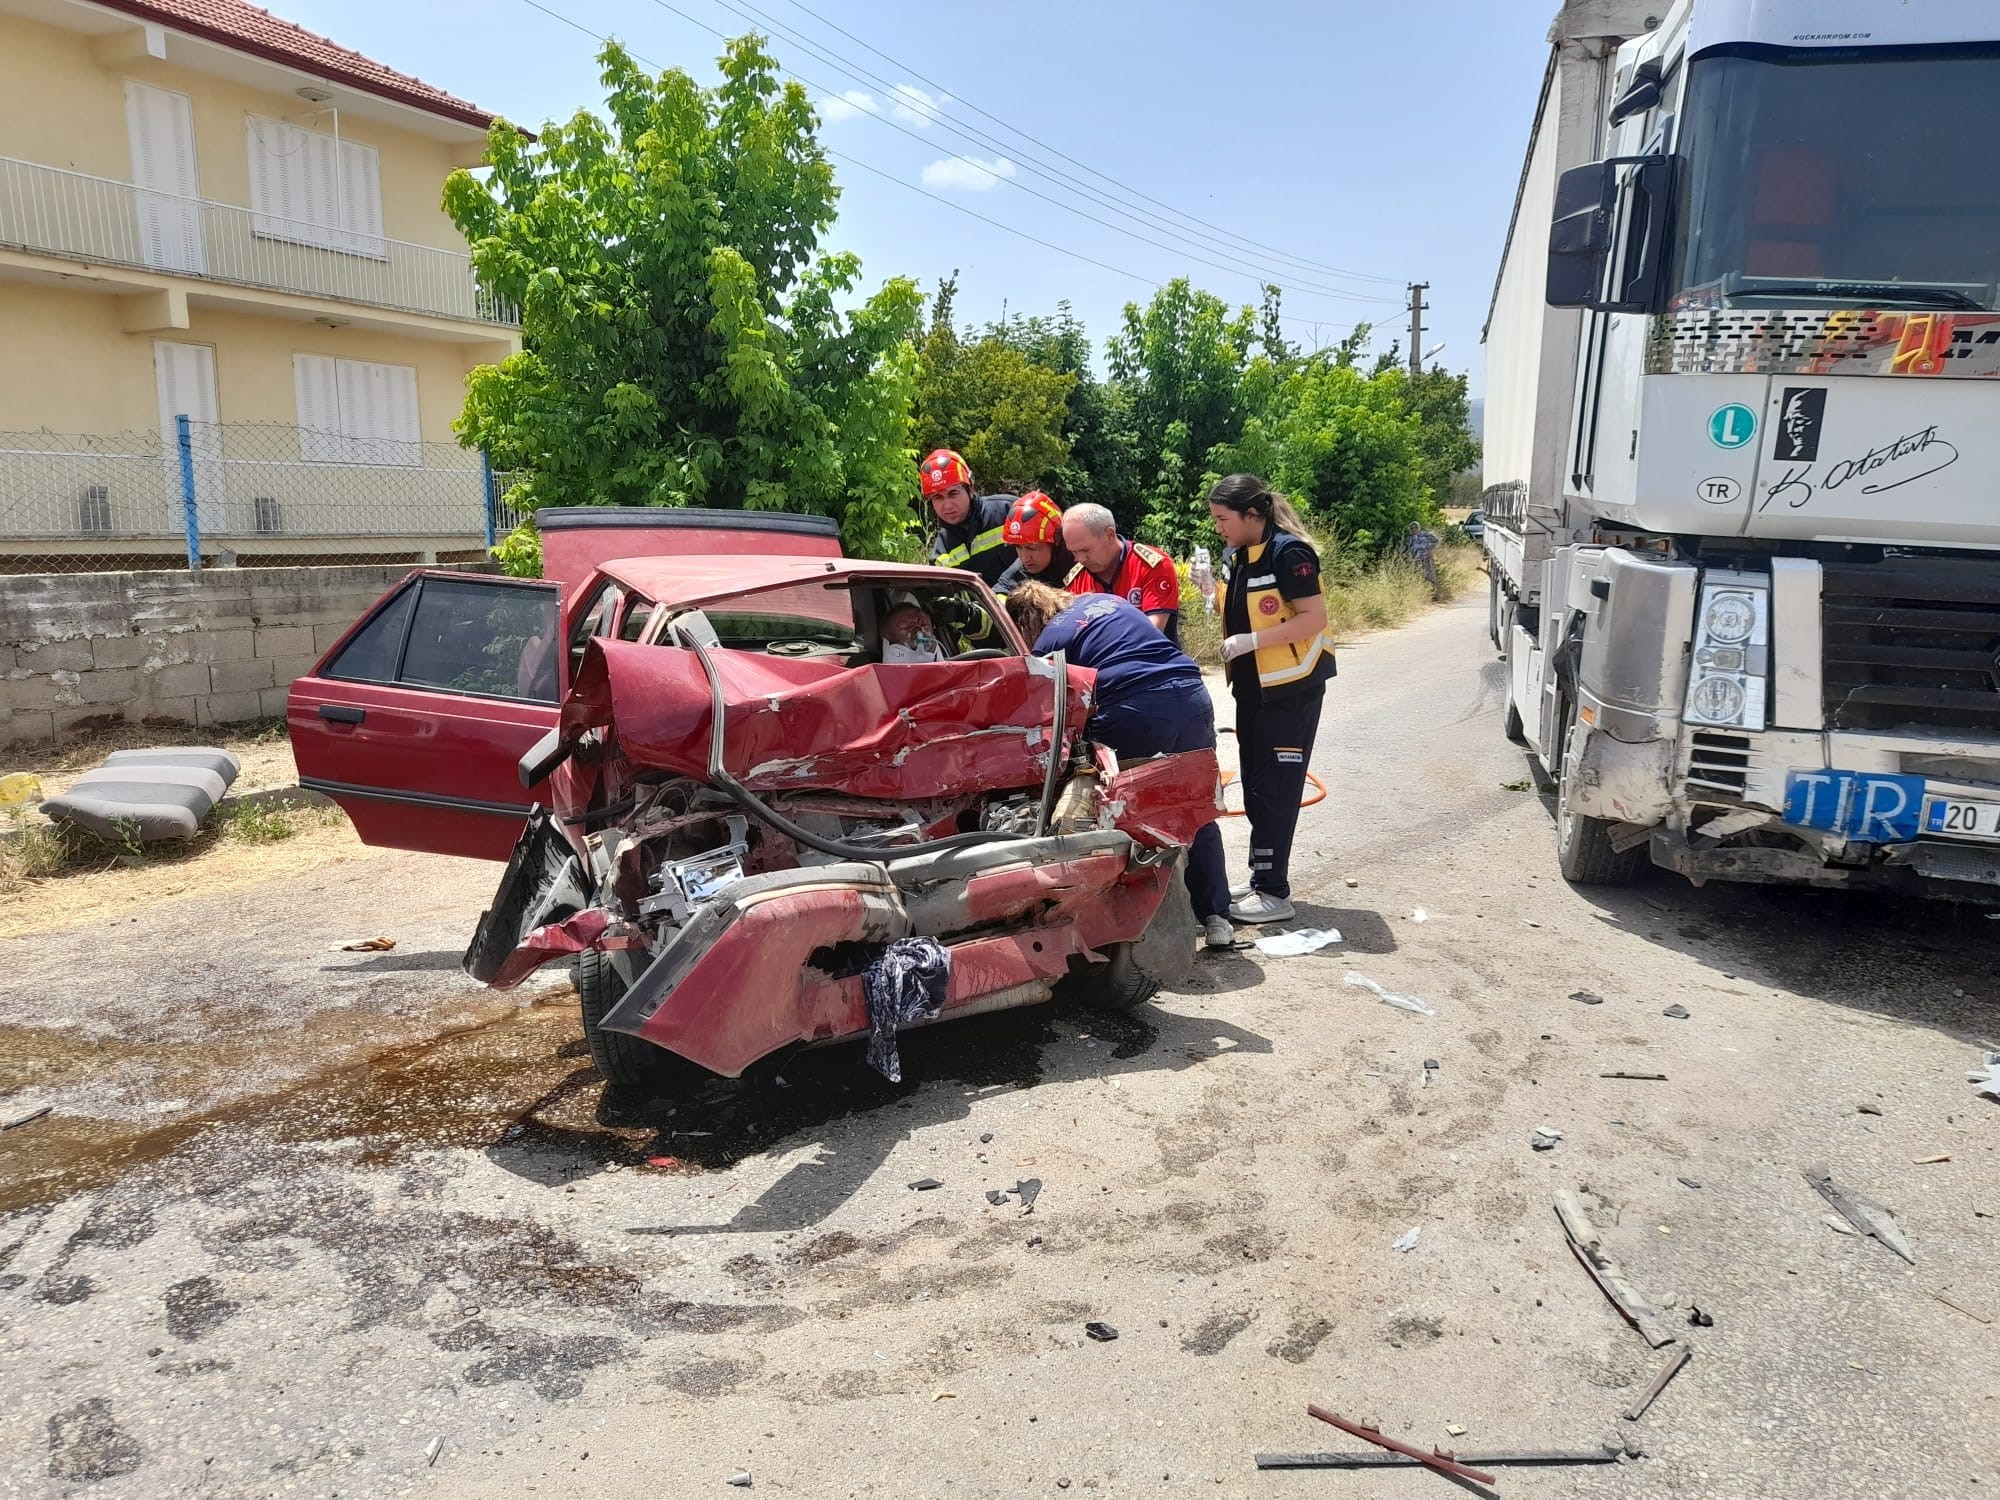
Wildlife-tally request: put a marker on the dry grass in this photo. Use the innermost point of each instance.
(1379, 597)
(260, 744)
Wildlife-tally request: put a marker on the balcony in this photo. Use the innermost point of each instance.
(49, 211)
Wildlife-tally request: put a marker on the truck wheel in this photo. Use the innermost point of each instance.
(1116, 984)
(1583, 845)
(625, 1061)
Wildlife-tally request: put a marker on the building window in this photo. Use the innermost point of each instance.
(312, 188)
(353, 412)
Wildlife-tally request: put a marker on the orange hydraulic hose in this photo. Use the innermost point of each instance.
(1318, 788)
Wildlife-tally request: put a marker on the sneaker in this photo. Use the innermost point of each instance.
(1218, 933)
(1238, 892)
(1258, 907)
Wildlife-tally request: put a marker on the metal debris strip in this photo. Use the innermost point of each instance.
(1647, 1397)
(1637, 1077)
(1498, 1458)
(28, 1119)
(1436, 1459)
(1870, 1219)
(1587, 1244)
(431, 1451)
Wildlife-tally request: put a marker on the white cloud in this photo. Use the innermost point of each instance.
(846, 106)
(967, 173)
(913, 106)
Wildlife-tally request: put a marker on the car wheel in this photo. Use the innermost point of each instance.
(1116, 984)
(1583, 844)
(626, 1061)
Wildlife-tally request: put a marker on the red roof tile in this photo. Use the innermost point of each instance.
(246, 28)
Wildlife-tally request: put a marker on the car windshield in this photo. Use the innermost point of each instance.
(1858, 178)
(850, 619)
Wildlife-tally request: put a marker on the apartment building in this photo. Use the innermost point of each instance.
(234, 319)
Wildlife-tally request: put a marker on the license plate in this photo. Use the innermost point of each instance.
(1867, 806)
(1976, 820)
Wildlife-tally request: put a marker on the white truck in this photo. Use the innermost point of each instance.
(1742, 472)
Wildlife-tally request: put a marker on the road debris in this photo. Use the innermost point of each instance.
(1637, 1077)
(1648, 1396)
(1957, 1306)
(741, 1479)
(1104, 1333)
(1987, 1076)
(28, 1119)
(995, 1197)
(1586, 997)
(1699, 1319)
(1675, 1013)
(1293, 944)
(431, 1451)
(1028, 1191)
(1351, 883)
(1544, 1139)
(1452, 1429)
(1444, 1463)
(944, 1396)
(1930, 1161)
(986, 1139)
(1868, 1109)
(925, 1184)
(1401, 1002)
(1418, 914)
(1837, 1224)
(367, 945)
(906, 984)
(1408, 1240)
(1688, 1182)
(1498, 1458)
(1587, 1245)
(1871, 1219)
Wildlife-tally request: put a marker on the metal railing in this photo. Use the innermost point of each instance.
(236, 492)
(52, 211)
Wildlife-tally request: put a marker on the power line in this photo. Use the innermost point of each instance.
(1260, 277)
(1199, 240)
(1317, 266)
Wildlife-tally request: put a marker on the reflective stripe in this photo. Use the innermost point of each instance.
(952, 558)
(985, 542)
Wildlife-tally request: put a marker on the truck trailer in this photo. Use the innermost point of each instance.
(1742, 469)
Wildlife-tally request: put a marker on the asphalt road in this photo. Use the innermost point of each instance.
(298, 1214)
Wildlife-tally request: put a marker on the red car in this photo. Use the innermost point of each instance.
(720, 803)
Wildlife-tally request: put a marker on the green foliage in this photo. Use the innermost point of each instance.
(1445, 437)
(1103, 462)
(682, 344)
(1002, 410)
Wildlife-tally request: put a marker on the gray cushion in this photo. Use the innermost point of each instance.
(204, 781)
(202, 757)
(157, 810)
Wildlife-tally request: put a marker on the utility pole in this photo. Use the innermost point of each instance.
(1417, 290)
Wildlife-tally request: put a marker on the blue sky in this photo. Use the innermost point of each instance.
(1364, 137)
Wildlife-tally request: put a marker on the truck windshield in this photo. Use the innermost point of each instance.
(1858, 179)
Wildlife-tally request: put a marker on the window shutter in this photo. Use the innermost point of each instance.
(160, 126)
(361, 200)
(316, 387)
(400, 391)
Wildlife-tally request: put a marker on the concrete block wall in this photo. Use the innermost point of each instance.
(214, 647)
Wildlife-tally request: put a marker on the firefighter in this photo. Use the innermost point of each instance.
(1034, 531)
(1150, 701)
(1279, 655)
(1109, 564)
(969, 525)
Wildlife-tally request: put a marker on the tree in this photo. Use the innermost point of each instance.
(1445, 439)
(999, 408)
(681, 341)
(1183, 358)
(1103, 463)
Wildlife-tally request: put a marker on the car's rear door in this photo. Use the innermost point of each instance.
(416, 721)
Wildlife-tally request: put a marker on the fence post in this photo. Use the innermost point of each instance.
(492, 499)
(190, 517)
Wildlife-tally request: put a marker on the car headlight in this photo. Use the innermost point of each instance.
(1732, 653)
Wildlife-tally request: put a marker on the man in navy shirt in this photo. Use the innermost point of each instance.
(1150, 701)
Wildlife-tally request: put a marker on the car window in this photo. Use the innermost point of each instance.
(370, 655)
(496, 640)
(801, 620)
(637, 614)
(591, 621)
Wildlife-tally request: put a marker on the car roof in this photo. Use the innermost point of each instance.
(680, 581)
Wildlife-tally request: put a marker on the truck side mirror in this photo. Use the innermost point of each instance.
(1648, 83)
(1580, 236)
(1585, 238)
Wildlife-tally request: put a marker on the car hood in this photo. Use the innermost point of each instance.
(894, 732)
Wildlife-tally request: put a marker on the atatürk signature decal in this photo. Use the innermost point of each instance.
(1907, 459)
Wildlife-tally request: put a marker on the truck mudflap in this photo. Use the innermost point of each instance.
(776, 960)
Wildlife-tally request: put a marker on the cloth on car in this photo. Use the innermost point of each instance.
(905, 985)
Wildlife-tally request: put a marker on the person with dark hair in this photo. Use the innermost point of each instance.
(1034, 531)
(1279, 654)
(970, 524)
(1150, 701)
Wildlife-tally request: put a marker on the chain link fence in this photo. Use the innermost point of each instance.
(240, 494)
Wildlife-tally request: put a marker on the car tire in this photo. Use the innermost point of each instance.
(627, 1062)
(1583, 845)
(1116, 984)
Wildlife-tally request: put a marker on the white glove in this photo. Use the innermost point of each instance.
(1238, 645)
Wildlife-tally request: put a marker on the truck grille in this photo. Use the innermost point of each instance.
(1912, 641)
(1720, 762)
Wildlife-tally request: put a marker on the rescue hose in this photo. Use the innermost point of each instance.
(866, 853)
(1318, 796)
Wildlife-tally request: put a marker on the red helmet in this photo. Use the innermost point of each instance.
(941, 471)
(1034, 520)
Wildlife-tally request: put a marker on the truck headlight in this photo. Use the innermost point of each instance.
(1732, 652)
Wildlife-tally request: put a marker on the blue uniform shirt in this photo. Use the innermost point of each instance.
(1139, 671)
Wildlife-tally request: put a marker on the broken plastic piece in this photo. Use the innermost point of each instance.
(1544, 1139)
(1687, 1182)
(1586, 997)
(1401, 1002)
(741, 1479)
(1675, 1012)
(368, 945)
(1104, 1333)
(1419, 915)
(1028, 1190)
(431, 1451)
(1304, 940)
(1987, 1077)
(925, 1184)
(1699, 1319)
(986, 1139)
(995, 1197)
(1870, 1218)
(1408, 1241)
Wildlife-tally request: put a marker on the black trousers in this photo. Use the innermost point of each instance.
(1274, 744)
(1184, 726)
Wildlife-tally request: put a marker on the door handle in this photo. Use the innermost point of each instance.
(340, 713)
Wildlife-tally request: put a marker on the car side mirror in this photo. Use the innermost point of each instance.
(543, 757)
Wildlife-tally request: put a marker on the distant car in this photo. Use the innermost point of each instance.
(1474, 525)
(736, 802)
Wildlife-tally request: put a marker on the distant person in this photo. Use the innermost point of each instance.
(1150, 701)
(969, 525)
(1423, 548)
(1279, 654)
(1034, 531)
(1134, 572)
